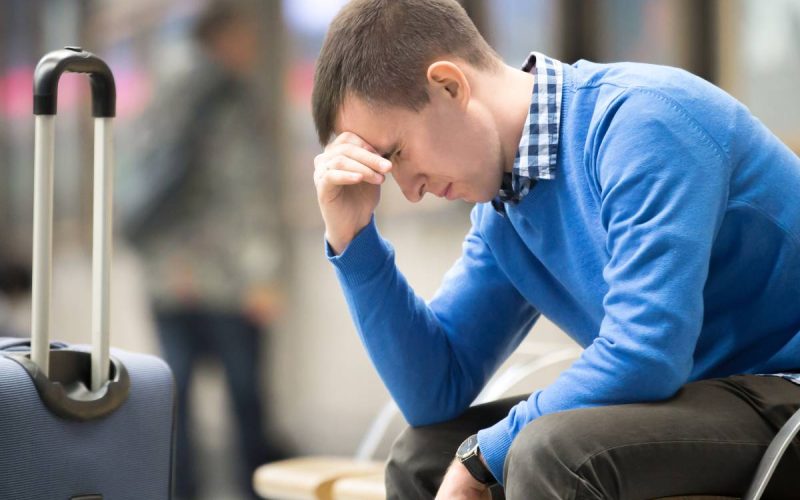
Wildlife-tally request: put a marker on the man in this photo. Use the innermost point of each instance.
(641, 209)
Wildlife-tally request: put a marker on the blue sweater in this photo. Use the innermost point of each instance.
(668, 246)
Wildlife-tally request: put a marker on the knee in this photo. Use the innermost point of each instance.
(415, 466)
(546, 455)
(406, 451)
(538, 446)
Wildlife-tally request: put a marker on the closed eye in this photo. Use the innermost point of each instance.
(392, 153)
(389, 156)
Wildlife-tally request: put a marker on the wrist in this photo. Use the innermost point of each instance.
(470, 456)
(464, 475)
(338, 242)
(339, 238)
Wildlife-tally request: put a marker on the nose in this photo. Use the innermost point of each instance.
(413, 188)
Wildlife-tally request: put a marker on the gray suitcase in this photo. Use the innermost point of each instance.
(80, 422)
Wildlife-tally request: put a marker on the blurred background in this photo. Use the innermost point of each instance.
(216, 212)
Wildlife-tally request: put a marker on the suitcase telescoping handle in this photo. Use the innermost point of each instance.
(45, 86)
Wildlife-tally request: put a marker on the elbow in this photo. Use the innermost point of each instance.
(436, 401)
(420, 419)
(420, 416)
(663, 382)
(664, 390)
(420, 411)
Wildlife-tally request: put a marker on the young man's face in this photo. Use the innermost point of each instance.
(446, 149)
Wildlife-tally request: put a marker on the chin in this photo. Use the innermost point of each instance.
(482, 198)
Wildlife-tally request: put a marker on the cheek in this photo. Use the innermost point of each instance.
(443, 135)
(458, 148)
(476, 154)
(435, 153)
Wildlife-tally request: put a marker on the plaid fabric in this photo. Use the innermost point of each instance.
(538, 148)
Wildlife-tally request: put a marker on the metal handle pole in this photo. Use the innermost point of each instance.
(42, 241)
(772, 457)
(101, 251)
(104, 95)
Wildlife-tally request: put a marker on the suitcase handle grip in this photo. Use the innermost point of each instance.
(73, 60)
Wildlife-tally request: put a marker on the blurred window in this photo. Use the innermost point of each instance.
(760, 61)
(653, 31)
(517, 27)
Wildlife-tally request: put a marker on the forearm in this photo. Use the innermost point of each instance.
(606, 374)
(406, 342)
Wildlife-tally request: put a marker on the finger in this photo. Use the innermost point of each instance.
(341, 178)
(351, 138)
(320, 159)
(372, 160)
(351, 165)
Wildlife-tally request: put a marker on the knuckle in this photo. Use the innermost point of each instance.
(339, 162)
(326, 165)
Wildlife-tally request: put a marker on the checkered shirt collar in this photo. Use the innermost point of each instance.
(538, 148)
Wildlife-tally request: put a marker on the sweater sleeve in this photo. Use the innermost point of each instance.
(663, 191)
(433, 357)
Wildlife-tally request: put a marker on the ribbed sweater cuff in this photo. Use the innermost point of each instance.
(363, 257)
(494, 443)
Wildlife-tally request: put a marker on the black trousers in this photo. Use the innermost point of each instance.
(706, 440)
(189, 335)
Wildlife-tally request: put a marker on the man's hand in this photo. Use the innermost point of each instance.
(348, 175)
(459, 484)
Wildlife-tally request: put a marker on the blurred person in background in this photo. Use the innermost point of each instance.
(206, 225)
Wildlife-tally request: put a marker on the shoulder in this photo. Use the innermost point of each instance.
(640, 97)
(647, 129)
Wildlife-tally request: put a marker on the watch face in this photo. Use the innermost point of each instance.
(467, 446)
(469, 455)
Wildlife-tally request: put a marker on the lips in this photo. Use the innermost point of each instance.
(448, 192)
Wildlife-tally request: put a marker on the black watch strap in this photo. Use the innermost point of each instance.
(470, 456)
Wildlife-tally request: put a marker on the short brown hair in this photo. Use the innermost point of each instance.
(379, 50)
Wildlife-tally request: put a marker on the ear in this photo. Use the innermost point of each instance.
(447, 79)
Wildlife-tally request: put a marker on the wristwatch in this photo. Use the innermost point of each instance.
(470, 455)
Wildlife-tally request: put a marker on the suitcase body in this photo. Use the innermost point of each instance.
(80, 422)
(126, 455)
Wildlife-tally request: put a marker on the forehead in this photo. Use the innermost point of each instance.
(380, 125)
